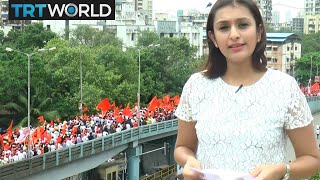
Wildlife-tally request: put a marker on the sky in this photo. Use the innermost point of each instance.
(283, 6)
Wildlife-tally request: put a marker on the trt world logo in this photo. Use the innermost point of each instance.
(61, 9)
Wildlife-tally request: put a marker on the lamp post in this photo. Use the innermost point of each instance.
(29, 55)
(139, 79)
(309, 83)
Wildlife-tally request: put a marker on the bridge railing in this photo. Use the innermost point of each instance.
(59, 157)
(313, 98)
(56, 158)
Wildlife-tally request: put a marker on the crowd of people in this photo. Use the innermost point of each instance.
(57, 135)
(311, 91)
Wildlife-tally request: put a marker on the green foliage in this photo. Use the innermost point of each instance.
(316, 177)
(107, 71)
(19, 109)
(270, 29)
(33, 36)
(147, 37)
(303, 67)
(86, 35)
(1, 37)
(310, 43)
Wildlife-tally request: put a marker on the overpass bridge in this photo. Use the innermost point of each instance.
(82, 157)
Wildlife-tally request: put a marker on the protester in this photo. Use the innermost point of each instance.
(236, 114)
(58, 135)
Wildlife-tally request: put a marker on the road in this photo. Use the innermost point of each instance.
(291, 154)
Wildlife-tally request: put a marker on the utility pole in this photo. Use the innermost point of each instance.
(81, 103)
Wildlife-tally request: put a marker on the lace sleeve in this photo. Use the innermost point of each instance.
(299, 113)
(183, 111)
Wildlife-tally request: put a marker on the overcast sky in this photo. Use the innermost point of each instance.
(288, 7)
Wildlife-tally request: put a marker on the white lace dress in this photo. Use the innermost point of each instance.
(237, 131)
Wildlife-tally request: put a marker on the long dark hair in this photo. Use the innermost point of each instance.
(216, 65)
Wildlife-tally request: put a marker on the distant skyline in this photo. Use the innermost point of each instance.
(285, 7)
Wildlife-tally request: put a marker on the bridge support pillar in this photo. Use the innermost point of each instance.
(172, 143)
(134, 162)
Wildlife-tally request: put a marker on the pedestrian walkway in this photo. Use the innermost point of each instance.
(290, 151)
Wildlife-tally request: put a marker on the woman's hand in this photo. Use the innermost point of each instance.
(188, 172)
(269, 172)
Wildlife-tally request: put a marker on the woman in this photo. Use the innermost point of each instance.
(237, 114)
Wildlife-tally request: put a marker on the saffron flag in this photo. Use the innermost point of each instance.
(104, 105)
(126, 111)
(113, 105)
(9, 130)
(40, 119)
(85, 109)
(153, 103)
(176, 100)
(166, 99)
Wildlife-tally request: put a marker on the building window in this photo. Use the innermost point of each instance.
(274, 59)
(269, 58)
(132, 36)
(171, 34)
(288, 48)
(296, 48)
(274, 48)
(161, 34)
(288, 59)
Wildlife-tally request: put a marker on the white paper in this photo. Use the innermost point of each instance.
(214, 174)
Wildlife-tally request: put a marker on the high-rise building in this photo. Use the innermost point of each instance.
(266, 10)
(275, 17)
(312, 16)
(297, 24)
(145, 7)
(5, 24)
(312, 7)
(4, 12)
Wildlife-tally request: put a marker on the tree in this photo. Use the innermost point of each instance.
(1, 37)
(33, 37)
(166, 68)
(19, 109)
(310, 43)
(147, 37)
(303, 67)
(86, 35)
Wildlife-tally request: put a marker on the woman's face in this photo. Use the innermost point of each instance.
(235, 33)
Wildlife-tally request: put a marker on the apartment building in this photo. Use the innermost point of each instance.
(312, 16)
(265, 7)
(282, 50)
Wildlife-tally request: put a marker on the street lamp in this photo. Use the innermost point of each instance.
(29, 80)
(139, 80)
(309, 83)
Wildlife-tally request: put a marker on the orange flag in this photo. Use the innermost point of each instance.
(64, 128)
(119, 119)
(176, 100)
(85, 109)
(9, 130)
(126, 111)
(104, 105)
(166, 99)
(116, 112)
(85, 117)
(74, 130)
(153, 103)
(40, 119)
(113, 105)
(160, 103)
